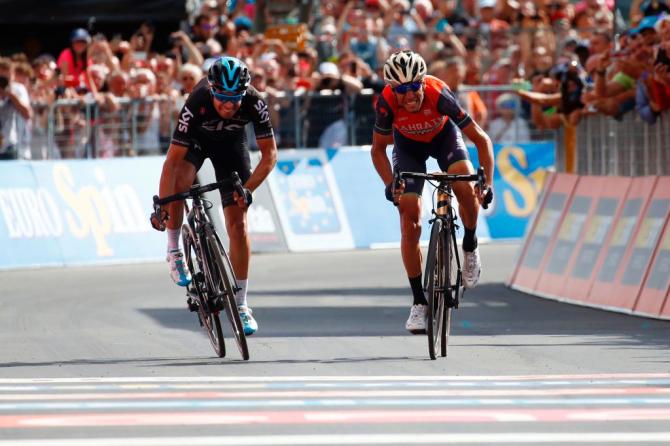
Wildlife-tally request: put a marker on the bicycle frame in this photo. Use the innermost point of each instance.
(214, 285)
(445, 211)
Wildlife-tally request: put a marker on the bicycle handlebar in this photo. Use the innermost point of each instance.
(479, 177)
(195, 190)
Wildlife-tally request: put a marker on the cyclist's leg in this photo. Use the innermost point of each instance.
(237, 160)
(410, 156)
(183, 167)
(453, 158)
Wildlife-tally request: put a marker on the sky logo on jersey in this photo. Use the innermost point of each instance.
(184, 118)
(262, 109)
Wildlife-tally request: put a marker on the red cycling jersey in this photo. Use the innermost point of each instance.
(439, 104)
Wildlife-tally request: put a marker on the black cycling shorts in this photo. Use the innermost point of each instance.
(410, 156)
(227, 157)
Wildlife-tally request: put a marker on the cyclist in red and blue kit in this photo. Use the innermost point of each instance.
(421, 117)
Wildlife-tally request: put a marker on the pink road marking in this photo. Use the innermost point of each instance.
(330, 417)
(334, 394)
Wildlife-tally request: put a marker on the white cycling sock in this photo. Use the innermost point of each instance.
(241, 295)
(173, 238)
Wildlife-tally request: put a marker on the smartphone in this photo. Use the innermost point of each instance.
(662, 57)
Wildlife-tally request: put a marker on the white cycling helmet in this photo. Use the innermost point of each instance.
(404, 66)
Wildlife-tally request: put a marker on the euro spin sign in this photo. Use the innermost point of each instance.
(520, 173)
(90, 210)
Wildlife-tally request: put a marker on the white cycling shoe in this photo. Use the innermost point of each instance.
(249, 324)
(472, 268)
(178, 268)
(416, 323)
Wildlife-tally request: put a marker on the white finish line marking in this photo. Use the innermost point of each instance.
(633, 376)
(362, 439)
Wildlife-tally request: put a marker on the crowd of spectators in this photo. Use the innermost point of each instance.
(560, 57)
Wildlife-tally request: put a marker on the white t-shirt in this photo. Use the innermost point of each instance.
(13, 127)
(509, 132)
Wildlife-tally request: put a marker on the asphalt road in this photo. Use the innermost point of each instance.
(110, 355)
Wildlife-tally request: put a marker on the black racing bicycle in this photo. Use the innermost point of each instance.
(442, 279)
(213, 287)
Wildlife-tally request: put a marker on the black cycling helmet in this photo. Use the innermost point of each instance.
(229, 74)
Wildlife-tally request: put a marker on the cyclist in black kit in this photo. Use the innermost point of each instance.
(211, 125)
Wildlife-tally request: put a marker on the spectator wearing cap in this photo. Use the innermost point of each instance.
(508, 126)
(487, 18)
(326, 43)
(328, 77)
(646, 29)
(73, 61)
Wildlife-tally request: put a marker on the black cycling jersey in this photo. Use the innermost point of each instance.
(200, 124)
(224, 141)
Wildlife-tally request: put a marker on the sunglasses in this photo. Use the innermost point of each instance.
(404, 88)
(226, 97)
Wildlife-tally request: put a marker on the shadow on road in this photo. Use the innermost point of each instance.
(491, 310)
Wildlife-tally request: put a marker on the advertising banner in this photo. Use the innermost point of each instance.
(31, 221)
(308, 202)
(74, 212)
(263, 224)
(606, 289)
(657, 286)
(569, 236)
(541, 241)
(609, 194)
(519, 177)
(648, 244)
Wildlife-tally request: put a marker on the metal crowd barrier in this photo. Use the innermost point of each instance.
(89, 129)
(629, 147)
(74, 128)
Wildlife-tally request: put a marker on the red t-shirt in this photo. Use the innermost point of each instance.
(76, 71)
(439, 104)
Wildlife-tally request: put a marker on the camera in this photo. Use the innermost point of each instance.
(4, 81)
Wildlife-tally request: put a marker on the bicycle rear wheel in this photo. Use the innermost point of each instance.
(201, 288)
(226, 285)
(434, 283)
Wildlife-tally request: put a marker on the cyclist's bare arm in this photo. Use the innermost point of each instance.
(173, 181)
(168, 183)
(268, 149)
(379, 158)
(484, 150)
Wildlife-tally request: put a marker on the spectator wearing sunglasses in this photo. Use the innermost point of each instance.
(421, 117)
(211, 125)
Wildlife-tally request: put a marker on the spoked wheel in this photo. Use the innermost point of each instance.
(226, 286)
(201, 288)
(452, 286)
(435, 288)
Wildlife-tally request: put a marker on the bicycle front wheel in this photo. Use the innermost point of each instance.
(201, 288)
(226, 285)
(452, 285)
(434, 281)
